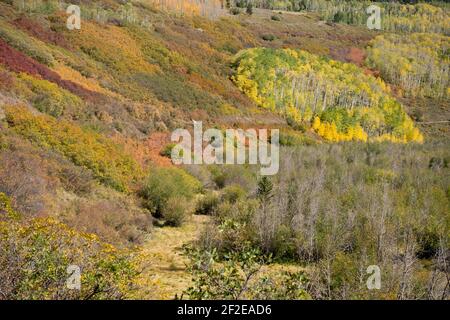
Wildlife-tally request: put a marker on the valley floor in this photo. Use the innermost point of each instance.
(164, 275)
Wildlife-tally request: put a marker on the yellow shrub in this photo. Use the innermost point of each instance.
(107, 160)
(49, 98)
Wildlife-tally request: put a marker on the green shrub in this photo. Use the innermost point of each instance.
(207, 204)
(275, 18)
(239, 275)
(268, 37)
(353, 105)
(339, 17)
(165, 183)
(249, 9)
(176, 211)
(291, 139)
(233, 193)
(43, 248)
(6, 210)
(235, 11)
(51, 99)
(242, 213)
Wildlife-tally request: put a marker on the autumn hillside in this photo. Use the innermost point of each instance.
(85, 123)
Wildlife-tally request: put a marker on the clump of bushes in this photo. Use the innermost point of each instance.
(207, 204)
(239, 275)
(294, 138)
(176, 211)
(167, 150)
(49, 98)
(268, 37)
(362, 109)
(329, 207)
(26, 44)
(168, 193)
(233, 193)
(417, 63)
(223, 176)
(177, 92)
(35, 255)
(235, 11)
(275, 18)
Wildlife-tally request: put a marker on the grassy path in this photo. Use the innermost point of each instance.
(164, 274)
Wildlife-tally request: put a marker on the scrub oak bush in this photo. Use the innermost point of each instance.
(165, 183)
(35, 254)
(176, 211)
(207, 204)
(239, 275)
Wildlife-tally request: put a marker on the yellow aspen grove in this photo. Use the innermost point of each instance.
(342, 101)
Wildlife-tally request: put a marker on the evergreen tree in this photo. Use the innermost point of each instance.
(249, 8)
(265, 187)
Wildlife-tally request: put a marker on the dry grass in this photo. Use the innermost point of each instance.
(165, 272)
(165, 268)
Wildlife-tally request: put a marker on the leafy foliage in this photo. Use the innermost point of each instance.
(35, 255)
(109, 164)
(238, 275)
(49, 98)
(176, 211)
(163, 184)
(25, 43)
(6, 210)
(418, 63)
(341, 101)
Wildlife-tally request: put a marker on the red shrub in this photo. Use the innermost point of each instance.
(6, 80)
(38, 31)
(18, 62)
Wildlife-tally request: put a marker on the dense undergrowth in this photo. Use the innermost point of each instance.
(338, 209)
(35, 256)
